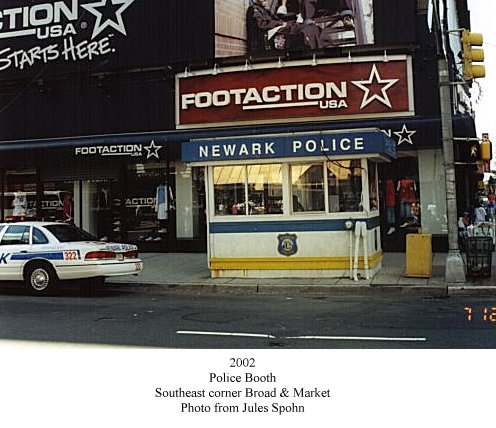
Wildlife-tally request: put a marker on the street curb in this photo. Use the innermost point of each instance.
(439, 291)
(473, 290)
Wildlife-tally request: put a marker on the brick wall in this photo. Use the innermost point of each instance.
(230, 27)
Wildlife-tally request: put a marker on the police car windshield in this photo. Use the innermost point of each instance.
(69, 233)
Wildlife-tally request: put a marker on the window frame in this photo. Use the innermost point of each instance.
(33, 231)
(287, 210)
(246, 192)
(27, 229)
(364, 199)
(294, 212)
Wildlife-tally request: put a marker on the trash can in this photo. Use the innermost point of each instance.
(418, 255)
(479, 256)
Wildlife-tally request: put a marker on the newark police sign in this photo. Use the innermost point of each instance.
(362, 143)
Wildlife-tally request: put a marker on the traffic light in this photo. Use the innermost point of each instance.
(470, 55)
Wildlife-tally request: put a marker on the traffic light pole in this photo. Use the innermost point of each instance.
(455, 269)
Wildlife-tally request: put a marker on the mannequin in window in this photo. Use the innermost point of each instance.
(20, 203)
(407, 190)
(390, 201)
(162, 206)
(67, 208)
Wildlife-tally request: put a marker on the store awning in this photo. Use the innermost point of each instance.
(370, 143)
(410, 133)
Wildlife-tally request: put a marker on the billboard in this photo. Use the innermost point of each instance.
(46, 37)
(333, 89)
(267, 26)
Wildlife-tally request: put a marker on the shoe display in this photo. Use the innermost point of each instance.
(299, 19)
(282, 10)
(391, 230)
(405, 224)
(162, 230)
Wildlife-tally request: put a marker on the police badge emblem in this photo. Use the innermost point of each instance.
(287, 244)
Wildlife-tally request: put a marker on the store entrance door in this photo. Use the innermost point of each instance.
(99, 209)
(148, 206)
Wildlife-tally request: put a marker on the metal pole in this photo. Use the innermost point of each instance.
(455, 269)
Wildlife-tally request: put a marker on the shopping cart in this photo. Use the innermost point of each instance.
(479, 251)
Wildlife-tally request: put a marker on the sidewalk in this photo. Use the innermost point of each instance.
(189, 271)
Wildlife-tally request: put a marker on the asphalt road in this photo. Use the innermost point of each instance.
(186, 319)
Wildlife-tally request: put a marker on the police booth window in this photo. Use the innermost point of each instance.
(248, 190)
(229, 189)
(307, 187)
(265, 189)
(344, 181)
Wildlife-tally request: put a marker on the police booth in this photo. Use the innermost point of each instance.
(293, 205)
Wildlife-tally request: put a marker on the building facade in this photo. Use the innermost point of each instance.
(102, 103)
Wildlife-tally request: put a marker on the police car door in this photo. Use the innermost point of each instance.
(14, 246)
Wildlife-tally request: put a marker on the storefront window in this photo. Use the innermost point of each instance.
(20, 195)
(57, 201)
(409, 208)
(147, 203)
(432, 192)
(307, 187)
(344, 180)
(229, 188)
(400, 197)
(265, 189)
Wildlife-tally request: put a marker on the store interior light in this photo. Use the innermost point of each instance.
(280, 64)
(216, 69)
(314, 61)
(350, 59)
(186, 71)
(247, 65)
(385, 58)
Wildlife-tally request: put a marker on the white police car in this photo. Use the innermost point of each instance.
(41, 253)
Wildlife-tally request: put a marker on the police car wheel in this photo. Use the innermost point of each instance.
(40, 277)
